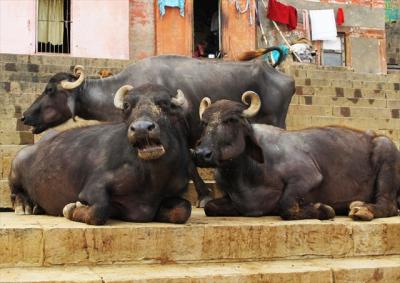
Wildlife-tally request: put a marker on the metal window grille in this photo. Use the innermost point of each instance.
(46, 45)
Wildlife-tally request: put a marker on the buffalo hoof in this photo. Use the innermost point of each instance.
(203, 201)
(358, 211)
(37, 210)
(21, 205)
(325, 211)
(68, 210)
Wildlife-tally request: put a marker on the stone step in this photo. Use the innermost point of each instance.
(12, 124)
(343, 111)
(15, 137)
(344, 75)
(42, 73)
(190, 195)
(388, 127)
(328, 82)
(348, 92)
(344, 101)
(39, 240)
(21, 87)
(62, 60)
(364, 269)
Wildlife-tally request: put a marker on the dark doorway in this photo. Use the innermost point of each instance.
(54, 26)
(206, 35)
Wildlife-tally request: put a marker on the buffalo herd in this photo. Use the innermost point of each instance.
(167, 115)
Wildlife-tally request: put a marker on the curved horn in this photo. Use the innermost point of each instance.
(255, 104)
(119, 95)
(204, 103)
(180, 100)
(78, 71)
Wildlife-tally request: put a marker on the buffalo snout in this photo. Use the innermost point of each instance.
(204, 157)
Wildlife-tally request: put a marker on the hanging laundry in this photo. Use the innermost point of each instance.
(281, 13)
(340, 17)
(171, 3)
(323, 25)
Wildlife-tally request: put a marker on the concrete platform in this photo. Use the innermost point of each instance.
(47, 241)
(365, 269)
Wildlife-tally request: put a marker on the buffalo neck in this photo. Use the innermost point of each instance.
(95, 99)
(237, 167)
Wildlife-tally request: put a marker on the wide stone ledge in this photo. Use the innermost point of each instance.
(46, 241)
(382, 269)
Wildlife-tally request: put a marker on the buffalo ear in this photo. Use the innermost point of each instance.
(254, 150)
(71, 106)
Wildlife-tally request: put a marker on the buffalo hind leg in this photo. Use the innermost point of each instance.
(92, 207)
(174, 210)
(221, 207)
(385, 155)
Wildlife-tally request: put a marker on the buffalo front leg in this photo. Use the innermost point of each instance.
(92, 207)
(174, 210)
(203, 192)
(221, 207)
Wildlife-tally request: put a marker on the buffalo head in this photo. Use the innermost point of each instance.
(56, 104)
(152, 113)
(227, 134)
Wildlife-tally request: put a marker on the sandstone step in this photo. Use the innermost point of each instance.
(12, 124)
(5, 201)
(15, 137)
(349, 92)
(62, 60)
(328, 82)
(364, 269)
(344, 101)
(42, 73)
(40, 240)
(21, 87)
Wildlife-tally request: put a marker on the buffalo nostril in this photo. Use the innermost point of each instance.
(132, 128)
(208, 155)
(22, 118)
(151, 127)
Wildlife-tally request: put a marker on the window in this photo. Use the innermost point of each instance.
(54, 22)
(333, 52)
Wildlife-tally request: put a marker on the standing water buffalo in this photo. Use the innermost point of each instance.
(134, 171)
(67, 95)
(299, 174)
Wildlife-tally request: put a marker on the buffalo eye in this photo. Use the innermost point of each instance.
(230, 121)
(125, 106)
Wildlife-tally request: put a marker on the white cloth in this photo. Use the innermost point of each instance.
(332, 44)
(323, 25)
(51, 21)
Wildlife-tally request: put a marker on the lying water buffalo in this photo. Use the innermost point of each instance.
(67, 95)
(299, 174)
(134, 171)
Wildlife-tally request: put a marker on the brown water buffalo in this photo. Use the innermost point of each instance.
(135, 170)
(309, 173)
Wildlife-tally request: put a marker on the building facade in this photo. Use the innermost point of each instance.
(134, 29)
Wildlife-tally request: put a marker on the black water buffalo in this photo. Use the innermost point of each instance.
(67, 95)
(135, 170)
(303, 174)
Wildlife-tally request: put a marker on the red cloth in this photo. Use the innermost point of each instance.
(281, 13)
(340, 17)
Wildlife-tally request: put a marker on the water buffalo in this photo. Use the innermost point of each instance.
(135, 170)
(303, 174)
(67, 95)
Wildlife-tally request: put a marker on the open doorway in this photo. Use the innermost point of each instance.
(206, 35)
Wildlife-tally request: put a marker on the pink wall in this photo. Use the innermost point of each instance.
(17, 26)
(100, 28)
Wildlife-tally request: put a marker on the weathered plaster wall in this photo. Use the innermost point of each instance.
(17, 26)
(100, 29)
(141, 29)
(363, 19)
